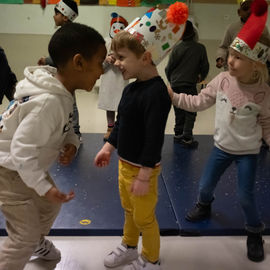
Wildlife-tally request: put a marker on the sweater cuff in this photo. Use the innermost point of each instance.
(43, 187)
(175, 99)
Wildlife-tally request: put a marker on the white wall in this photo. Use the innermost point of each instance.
(31, 19)
(25, 29)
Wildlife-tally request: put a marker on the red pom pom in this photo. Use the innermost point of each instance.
(177, 13)
(259, 7)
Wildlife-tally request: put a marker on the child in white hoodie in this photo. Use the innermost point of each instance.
(34, 131)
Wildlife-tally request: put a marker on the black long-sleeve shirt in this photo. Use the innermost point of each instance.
(143, 110)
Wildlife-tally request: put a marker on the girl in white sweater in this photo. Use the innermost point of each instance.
(242, 98)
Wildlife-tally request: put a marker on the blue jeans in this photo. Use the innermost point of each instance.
(217, 163)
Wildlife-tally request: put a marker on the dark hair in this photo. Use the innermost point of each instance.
(71, 39)
(189, 31)
(72, 4)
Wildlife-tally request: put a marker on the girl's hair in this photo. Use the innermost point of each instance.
(260, 73)
(124, 39)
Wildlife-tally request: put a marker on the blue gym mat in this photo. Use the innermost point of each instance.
(181, 172)
(96, 209)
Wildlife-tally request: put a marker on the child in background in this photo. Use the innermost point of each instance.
(8, 79)
(66, 11)
(233, 29)
(34, 131)
(138, 135)
(231, 32)
(111, 82)
(187, 66)
(242, 98)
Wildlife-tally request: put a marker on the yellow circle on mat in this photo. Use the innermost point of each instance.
(85, 221)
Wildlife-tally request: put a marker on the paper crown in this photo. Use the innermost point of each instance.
(247, 40)
(158, 30)
(66, 10)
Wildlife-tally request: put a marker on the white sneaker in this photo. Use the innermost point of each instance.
(121, 255)
(141, 264)
(47, 251)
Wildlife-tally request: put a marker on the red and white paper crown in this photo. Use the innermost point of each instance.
(158, 30)
(247, 40)
(66, 10)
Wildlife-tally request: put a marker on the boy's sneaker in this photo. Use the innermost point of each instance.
(255, 250)
(47, 251)
(121, 255)
(199, 212)
(141, 264)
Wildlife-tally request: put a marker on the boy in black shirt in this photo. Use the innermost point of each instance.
(138, 135)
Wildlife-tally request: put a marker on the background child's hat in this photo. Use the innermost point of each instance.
(119, 19)
(66, 10)
(247, 40)
(158, 30)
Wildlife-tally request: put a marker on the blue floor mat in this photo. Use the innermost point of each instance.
(96, 209)
(181, 172)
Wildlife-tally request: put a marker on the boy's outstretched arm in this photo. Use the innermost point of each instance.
(103, 157)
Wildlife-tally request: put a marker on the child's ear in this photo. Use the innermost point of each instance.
(147, 57)
(78, 62)
(66, 19)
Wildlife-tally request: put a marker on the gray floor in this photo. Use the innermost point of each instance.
(177, 253)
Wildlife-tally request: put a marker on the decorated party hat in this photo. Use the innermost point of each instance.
(158, 30)
(247, 40)
(67, 8)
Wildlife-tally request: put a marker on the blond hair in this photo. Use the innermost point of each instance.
(260, 73)
(124, 39)
(261, 69)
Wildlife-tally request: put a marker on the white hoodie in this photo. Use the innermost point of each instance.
(36, 127)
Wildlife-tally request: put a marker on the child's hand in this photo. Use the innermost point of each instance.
(42, 61)
(140, 187)
(110, 59)
(170, 91)
(219, 63)
(103, 157)
(55, 196)
(67, 154)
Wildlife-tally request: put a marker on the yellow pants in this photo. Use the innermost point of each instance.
(140, 212)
